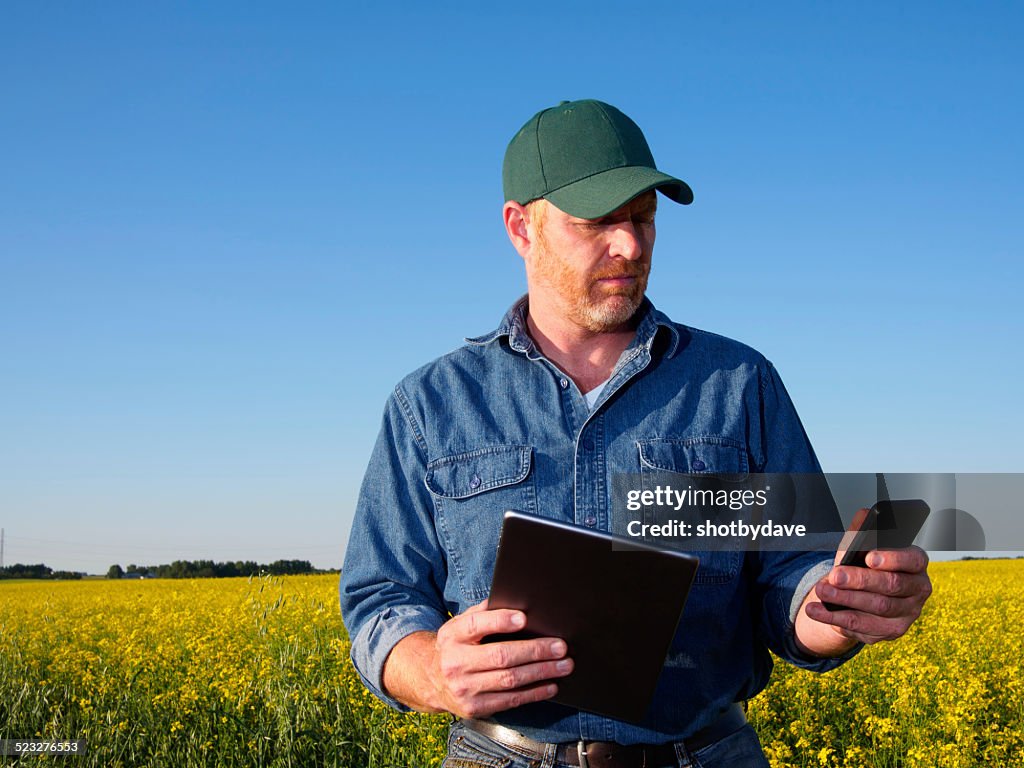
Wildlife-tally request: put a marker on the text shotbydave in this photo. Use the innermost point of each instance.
(734, 529)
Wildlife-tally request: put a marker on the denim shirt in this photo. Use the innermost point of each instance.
(494, 426)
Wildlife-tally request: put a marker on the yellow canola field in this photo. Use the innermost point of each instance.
(949, 694)
(211, 672)
(237, 672)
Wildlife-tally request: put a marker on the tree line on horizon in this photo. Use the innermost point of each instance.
(179, 569)
(37, 571)
(208, 569)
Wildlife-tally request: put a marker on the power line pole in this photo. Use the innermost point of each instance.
(1, 547)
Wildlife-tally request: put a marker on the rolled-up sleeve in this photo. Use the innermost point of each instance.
(394, 570)
(785, 578)
(788, 578)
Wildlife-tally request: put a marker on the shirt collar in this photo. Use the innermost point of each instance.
(513, 327)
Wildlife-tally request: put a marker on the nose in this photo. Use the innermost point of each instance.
(626, 241)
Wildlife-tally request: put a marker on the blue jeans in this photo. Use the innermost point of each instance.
(469, 749)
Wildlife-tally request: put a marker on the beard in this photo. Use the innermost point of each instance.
(586, 301)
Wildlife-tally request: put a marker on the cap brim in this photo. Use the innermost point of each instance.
(600, 194)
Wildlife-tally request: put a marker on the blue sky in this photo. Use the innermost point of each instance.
(226, 231)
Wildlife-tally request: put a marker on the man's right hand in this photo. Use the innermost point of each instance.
(453, 672)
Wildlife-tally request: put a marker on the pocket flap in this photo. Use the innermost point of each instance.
(695, 456)
(467, 474)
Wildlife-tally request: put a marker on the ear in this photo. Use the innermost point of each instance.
(517, 220)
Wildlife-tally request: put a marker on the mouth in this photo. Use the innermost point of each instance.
(621, 278)
(621, 281)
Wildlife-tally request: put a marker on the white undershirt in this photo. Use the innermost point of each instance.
(592, 395)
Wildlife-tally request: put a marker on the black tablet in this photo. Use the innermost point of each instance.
(616, 603)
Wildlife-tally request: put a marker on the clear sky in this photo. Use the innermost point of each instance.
(227, 230)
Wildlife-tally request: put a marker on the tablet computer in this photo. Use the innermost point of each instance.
(616, 603)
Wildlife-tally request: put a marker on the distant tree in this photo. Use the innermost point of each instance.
(19, 571)
(115, 572)
(290, 567)
(194, 569)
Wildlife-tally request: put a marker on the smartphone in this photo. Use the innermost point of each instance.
(889, 524)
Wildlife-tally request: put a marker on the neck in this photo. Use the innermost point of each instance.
(587, 357)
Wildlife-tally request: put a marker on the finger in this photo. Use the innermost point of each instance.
(861, 626)
(481, 606)
(474, 625)
(512, 653)
(522, 676)
(909, 560)
(487, 704)
(851, 533)
(859, 517)
(873, 603)
(893, 583)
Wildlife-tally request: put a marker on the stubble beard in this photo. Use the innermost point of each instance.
(586, 302)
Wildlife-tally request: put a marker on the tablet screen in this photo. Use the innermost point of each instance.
(617, 605)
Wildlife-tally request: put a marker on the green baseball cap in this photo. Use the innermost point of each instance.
(587, 158)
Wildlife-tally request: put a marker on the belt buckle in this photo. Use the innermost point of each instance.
(581, 753)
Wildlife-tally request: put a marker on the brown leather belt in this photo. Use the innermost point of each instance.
(608, 754)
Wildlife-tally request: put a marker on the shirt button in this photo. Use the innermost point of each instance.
(590, 522)
(475, 482)
(563, 383)
(699, 466)
(588, 444)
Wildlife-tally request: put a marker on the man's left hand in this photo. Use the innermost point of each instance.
(880, 602)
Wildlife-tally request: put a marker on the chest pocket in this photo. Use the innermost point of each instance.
(471, 492)
(683, 463)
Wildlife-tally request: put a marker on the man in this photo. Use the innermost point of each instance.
(585, 379)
